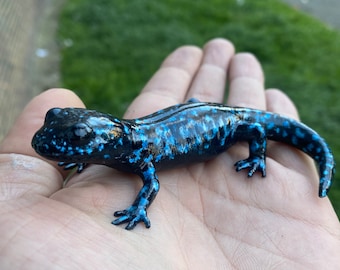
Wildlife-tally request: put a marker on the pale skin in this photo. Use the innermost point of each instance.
(206, 216)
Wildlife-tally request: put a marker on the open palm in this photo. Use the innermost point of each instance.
(206, 216)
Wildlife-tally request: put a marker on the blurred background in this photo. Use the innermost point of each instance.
(107, 50)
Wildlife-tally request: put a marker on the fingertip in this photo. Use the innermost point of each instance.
(278, 102)
(168, 86)
(246, 82)
(36, 109)
(56, 97)
(246, 65)
(220, 43)
(186, 57)
(209, 82)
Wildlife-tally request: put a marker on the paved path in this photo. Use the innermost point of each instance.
(327, 11)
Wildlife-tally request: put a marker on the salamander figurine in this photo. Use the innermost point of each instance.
(185, 133)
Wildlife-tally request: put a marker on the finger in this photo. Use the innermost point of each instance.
(170, 83)
(210, 82)
(279, 102)
(288, 156)
(246, 87)
(18, 140)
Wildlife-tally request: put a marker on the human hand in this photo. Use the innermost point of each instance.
(206, 216)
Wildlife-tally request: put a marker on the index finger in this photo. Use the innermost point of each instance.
(169, 84)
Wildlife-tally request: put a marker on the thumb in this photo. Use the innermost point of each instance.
(22, 171)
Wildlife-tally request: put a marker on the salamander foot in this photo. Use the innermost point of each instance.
(254, 164)
(133, 215)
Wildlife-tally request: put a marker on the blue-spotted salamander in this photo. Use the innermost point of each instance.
(185, 133)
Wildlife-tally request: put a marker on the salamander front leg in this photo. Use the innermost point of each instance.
(70, 165)
(137, 211)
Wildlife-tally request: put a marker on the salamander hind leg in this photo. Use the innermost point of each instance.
(254, 164)
(255, 135)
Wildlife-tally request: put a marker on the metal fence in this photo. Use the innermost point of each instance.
(28, 54)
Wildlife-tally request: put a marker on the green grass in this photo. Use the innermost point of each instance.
(117, 45)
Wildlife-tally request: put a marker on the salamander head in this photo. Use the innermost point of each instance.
(75, 134)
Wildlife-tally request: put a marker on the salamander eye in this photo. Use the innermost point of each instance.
(81, 131)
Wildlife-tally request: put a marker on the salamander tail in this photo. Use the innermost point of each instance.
(292, 132)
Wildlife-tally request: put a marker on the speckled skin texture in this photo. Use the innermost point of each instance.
(182, 134)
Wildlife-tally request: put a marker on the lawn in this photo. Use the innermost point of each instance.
(111, 48)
